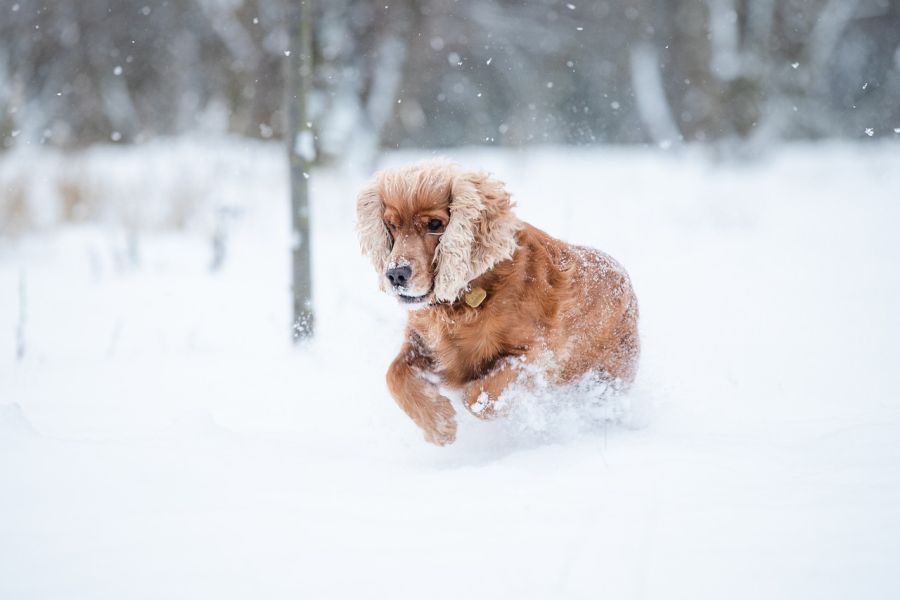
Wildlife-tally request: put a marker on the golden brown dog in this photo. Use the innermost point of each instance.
(491, 296)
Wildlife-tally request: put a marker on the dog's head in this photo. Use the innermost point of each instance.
(431, 228)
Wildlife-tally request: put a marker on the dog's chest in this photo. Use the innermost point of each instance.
(463, 345)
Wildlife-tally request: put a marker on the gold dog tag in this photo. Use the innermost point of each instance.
(475, 297)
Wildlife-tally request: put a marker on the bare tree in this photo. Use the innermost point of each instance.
(20, 325)
(301, 153)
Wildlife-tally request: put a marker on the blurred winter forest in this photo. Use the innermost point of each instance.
(440, 73)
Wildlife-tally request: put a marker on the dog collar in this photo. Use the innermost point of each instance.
(475, 296)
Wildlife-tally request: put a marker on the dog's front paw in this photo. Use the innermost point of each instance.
(441, 431)
(479, 402)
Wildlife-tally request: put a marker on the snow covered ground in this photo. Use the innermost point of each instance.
(160, 437)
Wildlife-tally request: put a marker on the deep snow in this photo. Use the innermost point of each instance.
(161, 438)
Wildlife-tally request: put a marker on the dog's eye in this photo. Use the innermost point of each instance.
(435, 225)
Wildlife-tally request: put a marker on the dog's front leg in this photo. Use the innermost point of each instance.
(481, 395)
(419, 398)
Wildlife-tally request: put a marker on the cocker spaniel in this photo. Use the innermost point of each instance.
(490, 296)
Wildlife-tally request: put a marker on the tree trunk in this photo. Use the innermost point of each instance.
(301, 153)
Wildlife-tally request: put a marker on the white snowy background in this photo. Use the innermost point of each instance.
(160, 436)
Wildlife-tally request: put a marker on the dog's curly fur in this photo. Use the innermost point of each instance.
(545, 298)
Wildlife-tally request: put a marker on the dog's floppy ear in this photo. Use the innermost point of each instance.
(481, 233)
(374, 237)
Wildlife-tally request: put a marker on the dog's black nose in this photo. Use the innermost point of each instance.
(399, 276)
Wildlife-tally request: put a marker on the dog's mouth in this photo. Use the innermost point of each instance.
(408, 299)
